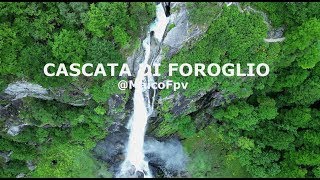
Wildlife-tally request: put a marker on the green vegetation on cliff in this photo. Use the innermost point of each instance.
(272, 124)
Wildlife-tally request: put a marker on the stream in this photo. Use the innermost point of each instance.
(135, 164)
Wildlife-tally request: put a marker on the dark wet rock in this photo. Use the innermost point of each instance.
(157, 172)
(182, 105)
(166, 159)
(203, 119)
(116, 107)
(116, 101)
(140, 174)
(166, 6)
(11, 108)
(111, 149)
(275, 33)
(211, 99)
(72, 95)
(9, 111)
(117, 127)
(132, 170)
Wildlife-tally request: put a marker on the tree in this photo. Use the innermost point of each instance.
(304, 43)
(97, 21)
(69, 46)
(103, 51)
(120, 36)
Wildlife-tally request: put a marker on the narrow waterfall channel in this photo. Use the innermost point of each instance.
(135, 164)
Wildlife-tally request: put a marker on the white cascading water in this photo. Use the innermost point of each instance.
(135, 158)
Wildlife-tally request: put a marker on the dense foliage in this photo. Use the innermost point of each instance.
(33, 34)
(267, 126)
(273, 123)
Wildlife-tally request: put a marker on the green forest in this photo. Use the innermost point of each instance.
(261, 126)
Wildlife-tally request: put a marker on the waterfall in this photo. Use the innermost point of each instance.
(135, 164)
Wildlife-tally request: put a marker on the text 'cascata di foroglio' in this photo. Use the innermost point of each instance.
(185, 69)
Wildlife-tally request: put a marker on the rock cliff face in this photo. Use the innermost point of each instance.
(69, 95)
(23, 89)
(12, 101)
(178, 32)
(181, 31)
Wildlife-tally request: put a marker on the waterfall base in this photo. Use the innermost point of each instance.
(164, 159)
(128, 170)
